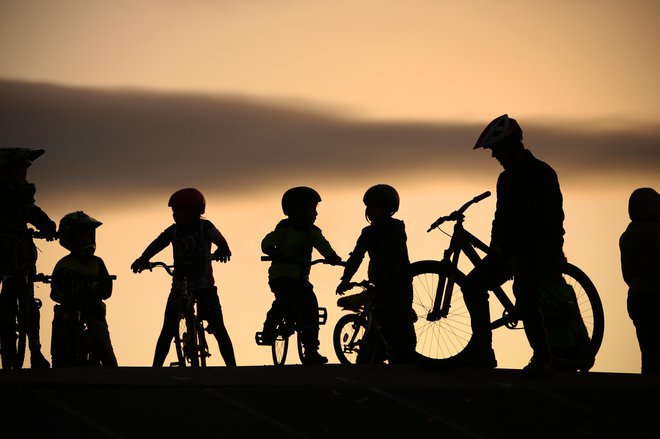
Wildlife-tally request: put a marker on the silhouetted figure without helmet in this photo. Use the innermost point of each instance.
(18, 254)
(640, 266)
(527, 238)
(191, 237)
(290, 246)
(79, 285)
(385, 241)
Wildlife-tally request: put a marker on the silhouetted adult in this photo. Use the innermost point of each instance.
(640, 265)
(18, 254)
(527, 238)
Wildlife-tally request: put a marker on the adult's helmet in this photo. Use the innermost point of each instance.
(18, 157)
(382, 195)
(297, 197)
(188, 198)
(74, 221)
(499, 129)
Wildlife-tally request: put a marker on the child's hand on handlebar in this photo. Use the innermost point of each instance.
(222, 255)
(139, 265)
(343, 287)
(334, 259)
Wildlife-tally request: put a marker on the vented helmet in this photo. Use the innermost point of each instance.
(499, 129)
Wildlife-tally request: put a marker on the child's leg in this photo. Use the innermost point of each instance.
(209, 308)
(307, 311)
(169, 329)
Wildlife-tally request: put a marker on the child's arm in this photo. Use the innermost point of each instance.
(222, 253)
(353, 262)
(322, 245)
(156, 246)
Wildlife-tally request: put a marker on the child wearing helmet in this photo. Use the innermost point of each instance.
(191, 237)
(290, 245)
(385, 241)
(18, 254)
(80, 284)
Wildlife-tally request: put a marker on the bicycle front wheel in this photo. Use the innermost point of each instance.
(441, 335)
(348, 338)
(279, 349)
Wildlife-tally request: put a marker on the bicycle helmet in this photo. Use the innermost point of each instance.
(75, 221)
(19, 157)
(188, 198)
(297, 197)
(499, 129)
(382, 195)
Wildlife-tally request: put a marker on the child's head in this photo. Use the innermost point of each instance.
(299, 204)
(382, 201)
(187, 205)
(77, 233)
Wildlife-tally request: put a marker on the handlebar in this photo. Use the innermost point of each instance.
(46, 278)
(457, 215)
(152, 265)
(314, 262)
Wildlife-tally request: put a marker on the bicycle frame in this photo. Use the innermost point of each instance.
(190, 340)
(463, 241)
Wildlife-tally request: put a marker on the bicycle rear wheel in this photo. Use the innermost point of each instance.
(179, 342)
(592, 315)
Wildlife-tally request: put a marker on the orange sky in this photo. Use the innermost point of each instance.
(333, 86)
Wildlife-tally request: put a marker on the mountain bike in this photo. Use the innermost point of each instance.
(78, 335)
(443, 326)
(288, 327)
(190, 343)
(13, 345)
(357, 338)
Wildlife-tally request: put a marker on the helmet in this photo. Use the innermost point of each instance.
(75, 221)
(188, 198)
(19, 157)
(297, 197)
(500, 128)
(382, 195)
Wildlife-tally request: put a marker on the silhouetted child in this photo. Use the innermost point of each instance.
(640, 266)
(80, 284)
(18, 254)
(290, 245)
(385, 241)
(191, 237)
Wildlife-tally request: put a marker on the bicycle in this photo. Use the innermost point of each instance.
(190, 343)
(357, 338)
(288, 327)
(77, 329)
(15, 343)
(443, 327)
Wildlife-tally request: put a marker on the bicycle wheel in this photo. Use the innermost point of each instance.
(439, 338)
(279, 349)
(592, 315)
(179, 342)
(202, 346)
(348, 337)
(191, 347)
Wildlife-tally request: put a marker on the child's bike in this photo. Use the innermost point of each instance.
(79, 338)
(190, 343)
(357, 338)
(287, 327)
(574, 312)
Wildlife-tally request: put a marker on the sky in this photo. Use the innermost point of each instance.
(134, 100)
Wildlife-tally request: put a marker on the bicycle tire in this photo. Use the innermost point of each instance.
(279, 349)
(178, 343)
(348, 336)
(191, 349)
(592, 314)
(202, 346)
(440, 341)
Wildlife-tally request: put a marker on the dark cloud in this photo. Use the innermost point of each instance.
(121, 140)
